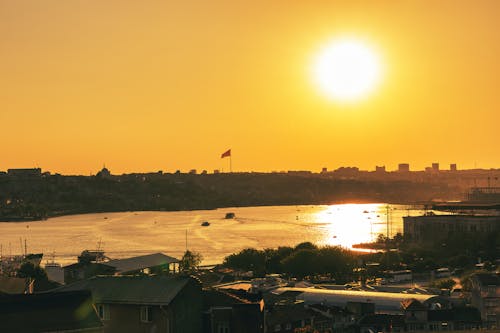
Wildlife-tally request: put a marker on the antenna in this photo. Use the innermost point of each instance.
(186, 240)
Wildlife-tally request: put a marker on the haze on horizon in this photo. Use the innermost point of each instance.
(157, 85)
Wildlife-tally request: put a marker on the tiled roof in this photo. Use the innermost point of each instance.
(146, 290)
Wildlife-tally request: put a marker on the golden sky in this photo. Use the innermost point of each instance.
(167, 85)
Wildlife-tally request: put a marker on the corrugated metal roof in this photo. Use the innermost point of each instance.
(384, 302)
(146, 290)
(141, 262)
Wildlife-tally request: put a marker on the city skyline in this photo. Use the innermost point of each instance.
(170, 86)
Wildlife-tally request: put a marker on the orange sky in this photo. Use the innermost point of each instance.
(167, 85)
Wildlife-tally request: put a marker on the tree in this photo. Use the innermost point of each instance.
(38, 274)
(301, 263)
(247, 259)
(305, 246)
(28, 270)
(190, 261)
(445, 283)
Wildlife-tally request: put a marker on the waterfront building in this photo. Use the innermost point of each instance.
(432, 228)
(484, 194)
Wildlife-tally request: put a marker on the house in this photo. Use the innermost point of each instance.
(226, 312)
(485, 295)
(138, 303)
(150, 263)
(288, 317)
(339, 319)
(84, 270)
(49, 312)
(436, 317)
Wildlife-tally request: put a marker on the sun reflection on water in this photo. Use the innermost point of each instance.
(350, 224)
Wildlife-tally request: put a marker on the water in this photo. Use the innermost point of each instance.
(129, 234)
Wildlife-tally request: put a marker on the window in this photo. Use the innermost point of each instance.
(103, 311)
(146, 314)
(222, 327)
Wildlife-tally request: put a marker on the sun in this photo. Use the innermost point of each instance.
(347, 70)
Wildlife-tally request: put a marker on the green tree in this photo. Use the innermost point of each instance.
(301, 263)
(247, 259)
(190, 261)
(38, 274)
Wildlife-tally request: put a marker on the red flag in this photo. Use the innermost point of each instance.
(226, 154)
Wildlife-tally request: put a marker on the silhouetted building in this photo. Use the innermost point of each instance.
(224, 312)
(485, 295)
(453, 167)
(380, 169)
(435, 167)
(86, 270)
(49, 312)
(104, 173)
(25, 173)
(403, 167)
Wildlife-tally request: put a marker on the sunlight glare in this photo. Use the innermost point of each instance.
(347, 70)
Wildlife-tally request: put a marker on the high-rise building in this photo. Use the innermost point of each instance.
(404, 167)
(435, 167)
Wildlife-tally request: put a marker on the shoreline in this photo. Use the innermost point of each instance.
(21, 219)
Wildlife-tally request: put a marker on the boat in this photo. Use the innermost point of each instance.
(205, 224)
(229, 215)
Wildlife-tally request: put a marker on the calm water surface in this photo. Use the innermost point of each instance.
(136, 233)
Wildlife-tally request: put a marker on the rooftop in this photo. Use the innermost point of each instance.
(488, 279)
(48, 312)
(384, 301)
(141, 262)
(146, 290)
